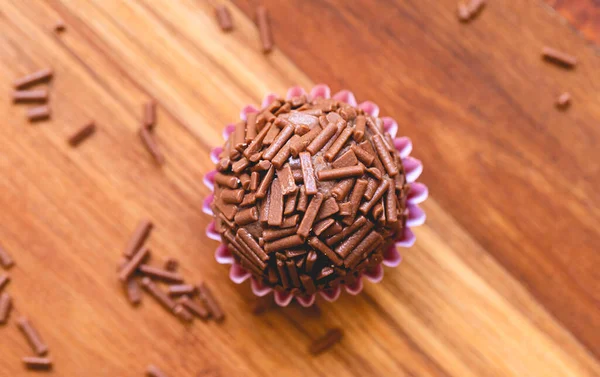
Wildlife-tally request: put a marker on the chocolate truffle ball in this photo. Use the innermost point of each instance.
(309, 193)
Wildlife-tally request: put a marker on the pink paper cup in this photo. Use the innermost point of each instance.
(418, 193)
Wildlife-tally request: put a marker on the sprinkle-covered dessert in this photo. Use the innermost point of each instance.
(309, 193)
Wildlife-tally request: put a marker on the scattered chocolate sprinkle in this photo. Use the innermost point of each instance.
(37, 363)
(34, 95)
(264, 29)
(153, 371)
(224, 18)
(197, 308)
(4, 280)
(171, 264)
(81, 134)
(151, 145)
(35, 341)
(60, 26)
(141, 233)
(308, 173)
(211, 303)
(463, 12)
(158, 294)
(133, 264)
(331, 338)
(564, 100)
(33, 78)
(181, 289)
(559, 57)
(183, 314)
(134, 295)
(5, 307)
(319, 245)
(341, 173)
(160, 274)
(310, 215)
(149, 117)
(249, 200)
(38, 113)
(6, 260)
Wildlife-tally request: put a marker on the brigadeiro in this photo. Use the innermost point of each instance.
(312, 193)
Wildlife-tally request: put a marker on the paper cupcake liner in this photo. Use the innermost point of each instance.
(391, 257)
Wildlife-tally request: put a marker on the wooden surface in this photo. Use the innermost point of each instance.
(503, 280)
(583, 15)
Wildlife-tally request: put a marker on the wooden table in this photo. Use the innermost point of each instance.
(503, 280)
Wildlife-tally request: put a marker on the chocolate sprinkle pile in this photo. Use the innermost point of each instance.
(182, 300)
(309, 193)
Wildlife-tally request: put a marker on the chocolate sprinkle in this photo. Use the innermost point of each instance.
(35, 341)
(33, 78)
(331, 338)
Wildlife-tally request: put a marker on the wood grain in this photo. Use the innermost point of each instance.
(584, 15)
(492, 288)
(478, 102)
